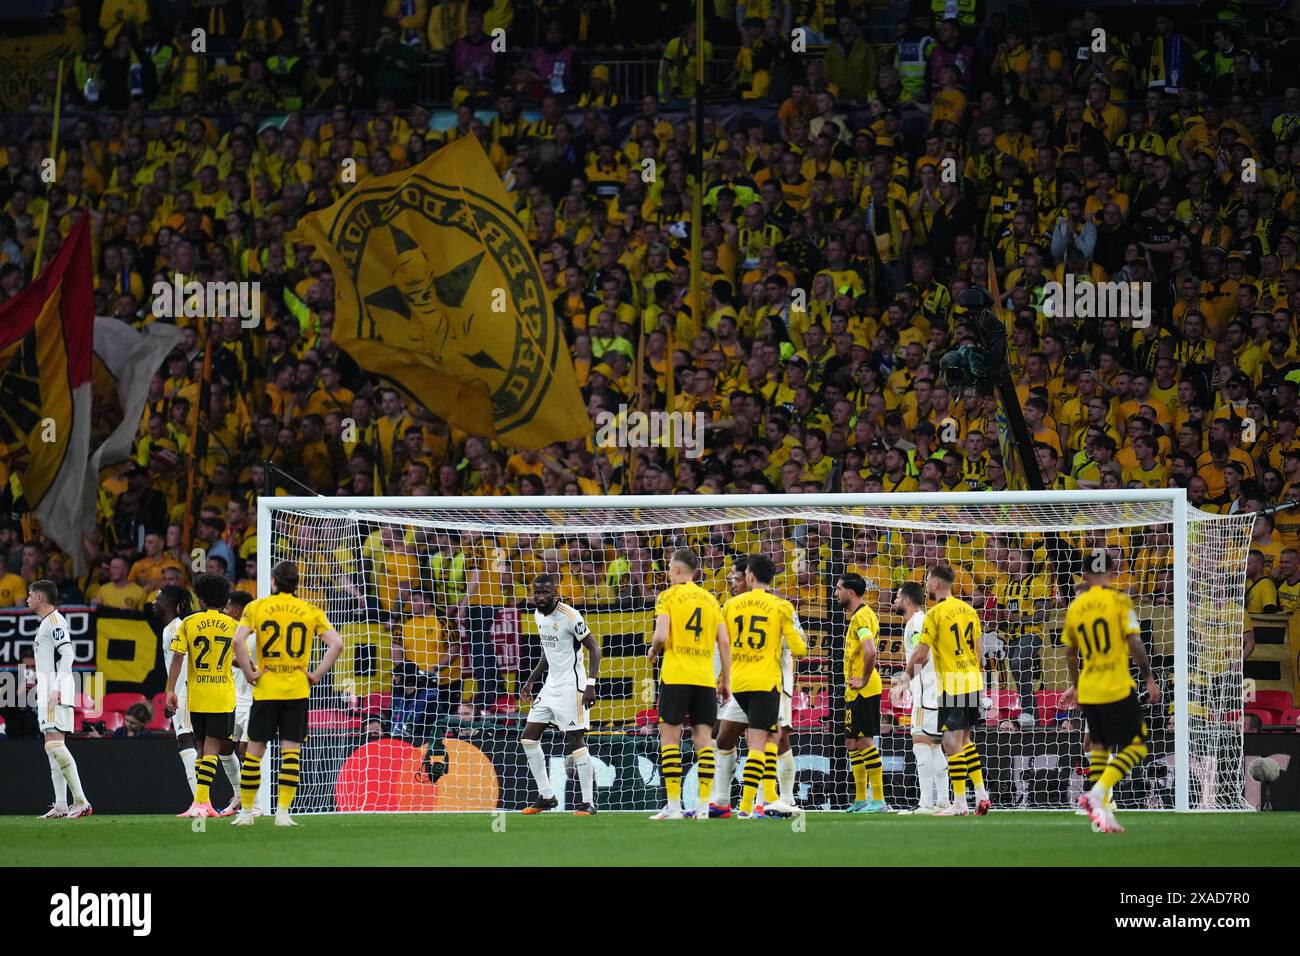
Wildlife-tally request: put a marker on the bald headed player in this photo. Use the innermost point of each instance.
(568, 692)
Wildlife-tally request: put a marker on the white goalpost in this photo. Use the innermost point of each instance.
(421, 712)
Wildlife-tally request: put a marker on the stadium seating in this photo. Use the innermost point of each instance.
(160, 721)
(322, 719)
(1276, 700)
(1267, 717)
(375, 705)
(113, 719)
(1048, 705)
(1006, 705)
(1290, 717)
(122, 702)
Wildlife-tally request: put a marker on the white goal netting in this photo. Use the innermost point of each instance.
(422, 712)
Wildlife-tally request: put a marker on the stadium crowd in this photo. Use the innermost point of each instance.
(836, 241)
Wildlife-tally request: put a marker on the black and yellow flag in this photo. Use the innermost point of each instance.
(46, 346)
(438, 292)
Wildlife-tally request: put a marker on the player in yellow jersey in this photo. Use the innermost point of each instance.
(732, 723)
(757, 622)
(204, 644)
(1100, 633)
(950, 636)
(688, 627)
(861, 695)
(284, 628)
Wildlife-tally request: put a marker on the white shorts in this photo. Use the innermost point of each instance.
(733, 712)
(60, 718)
(560, 707)
(242, 710)
(925, 719)
(181, 719)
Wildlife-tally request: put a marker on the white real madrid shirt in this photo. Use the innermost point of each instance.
(562, 633)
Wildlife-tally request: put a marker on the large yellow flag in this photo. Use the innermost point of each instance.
(438, 292)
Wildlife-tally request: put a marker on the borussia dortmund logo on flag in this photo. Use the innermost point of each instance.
(438, 291)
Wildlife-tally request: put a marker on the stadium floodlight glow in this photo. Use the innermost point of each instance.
(363, 559)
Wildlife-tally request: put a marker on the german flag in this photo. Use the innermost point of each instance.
(46, 362)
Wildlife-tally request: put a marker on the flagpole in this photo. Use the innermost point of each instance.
(697, 194)
(199, 431)
(54, 154)
(638, 402)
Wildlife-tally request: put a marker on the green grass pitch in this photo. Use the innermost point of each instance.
(613, 839)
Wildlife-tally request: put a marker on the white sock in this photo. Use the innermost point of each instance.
(188, 757)
(586, 774)
(60, 784)
(785, 776)
(939, 767)
(724, 762)
(68, 766)
(537, 764)
(230, 762)
(924, 773)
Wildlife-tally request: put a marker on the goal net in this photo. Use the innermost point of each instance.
(431, 596)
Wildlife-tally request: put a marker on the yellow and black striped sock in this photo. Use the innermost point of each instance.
(957, 775)
(288, 779)
(974, 767)
(704, 772)
(250, 780)
(205, 771)
(1097, 764)
(751, 779)
(1121, 764)
(769, 774)
(858, 763)
(875, 769)
(670, 765)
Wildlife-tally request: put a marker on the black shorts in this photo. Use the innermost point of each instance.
(862, 717)
(1117, 724)
(958, 718)
(288, 717)
(220, 726)
(676, 701)
(762, 708)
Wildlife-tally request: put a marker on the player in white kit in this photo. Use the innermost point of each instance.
(243, 706)
(732, 722)
(567, 694)
(170, 606)
(927, 740)
(55, 696)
